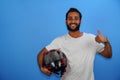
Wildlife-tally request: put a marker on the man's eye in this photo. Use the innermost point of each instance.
(69, 18)
(77, 18)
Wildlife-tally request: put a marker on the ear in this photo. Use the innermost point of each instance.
(80, 21)
(66, 21)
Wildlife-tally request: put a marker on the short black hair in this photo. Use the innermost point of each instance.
(74, 10)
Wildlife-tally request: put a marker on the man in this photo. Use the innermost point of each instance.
(79, 47)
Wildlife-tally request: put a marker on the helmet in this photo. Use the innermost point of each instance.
(55, 61)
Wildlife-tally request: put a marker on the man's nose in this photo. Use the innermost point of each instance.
(73, 21)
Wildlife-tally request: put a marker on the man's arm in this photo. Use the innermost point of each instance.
(40, 62)
(107, 52)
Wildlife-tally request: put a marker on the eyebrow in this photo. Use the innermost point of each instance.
(74, 16)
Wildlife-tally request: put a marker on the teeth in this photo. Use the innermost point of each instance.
(73, 24)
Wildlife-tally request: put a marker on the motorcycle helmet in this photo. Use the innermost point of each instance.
(55, 61)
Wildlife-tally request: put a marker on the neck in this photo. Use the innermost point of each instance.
(75, 34)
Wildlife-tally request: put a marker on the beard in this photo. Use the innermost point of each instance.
(75, 29)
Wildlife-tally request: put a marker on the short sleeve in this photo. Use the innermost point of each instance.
(98, 46)
(55, 44)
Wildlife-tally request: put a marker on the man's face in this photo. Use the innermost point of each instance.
(73, 21)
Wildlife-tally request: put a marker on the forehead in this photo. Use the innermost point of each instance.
(73, 14)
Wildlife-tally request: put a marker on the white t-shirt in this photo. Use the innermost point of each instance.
(80, 53)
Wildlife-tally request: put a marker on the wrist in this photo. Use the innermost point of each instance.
(107, 41)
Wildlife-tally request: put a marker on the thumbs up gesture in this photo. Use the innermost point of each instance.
(100, 38)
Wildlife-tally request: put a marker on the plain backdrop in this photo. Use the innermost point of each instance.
(26, 26)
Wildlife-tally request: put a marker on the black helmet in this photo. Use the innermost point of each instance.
(55, 61)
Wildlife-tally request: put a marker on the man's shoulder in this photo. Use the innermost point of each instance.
(89, 34)
(61, 37)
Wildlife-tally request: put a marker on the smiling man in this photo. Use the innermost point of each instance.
(79, 47)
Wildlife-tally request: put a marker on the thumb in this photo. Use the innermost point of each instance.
(99, 33)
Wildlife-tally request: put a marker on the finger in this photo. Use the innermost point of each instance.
(48, 73)
(99, 33)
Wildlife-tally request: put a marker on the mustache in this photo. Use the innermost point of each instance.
(73, 23)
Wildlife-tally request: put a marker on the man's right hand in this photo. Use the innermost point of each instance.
(46, 71)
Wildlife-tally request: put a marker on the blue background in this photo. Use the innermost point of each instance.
(26, 26)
